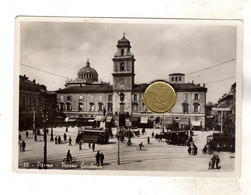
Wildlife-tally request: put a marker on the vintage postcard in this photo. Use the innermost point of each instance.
(79, 96)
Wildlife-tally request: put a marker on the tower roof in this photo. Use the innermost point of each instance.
(123, 42)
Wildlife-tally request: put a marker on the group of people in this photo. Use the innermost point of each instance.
(91, 145)
(214, 162)
(99, 159)
(58, 139)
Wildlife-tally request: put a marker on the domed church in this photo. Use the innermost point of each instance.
(86, 98)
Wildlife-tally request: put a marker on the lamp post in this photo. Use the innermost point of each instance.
(122, 97)
(45, 119)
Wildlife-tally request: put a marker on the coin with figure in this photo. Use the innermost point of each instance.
(160, 97)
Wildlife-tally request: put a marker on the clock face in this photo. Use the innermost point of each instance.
(122, 82)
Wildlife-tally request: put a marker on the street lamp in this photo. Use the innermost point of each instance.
(45, 119)
(122, 97)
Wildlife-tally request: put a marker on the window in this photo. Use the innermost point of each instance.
(62, 106)
(61, 98)
(100, 106)
(122, 52)
(135, 107)
(109, 106)
(68, 98)
(122, 66)
(185, 108)
(172, 78)
(196, 96)
(176, 78)
(135, 97)
(92, 107)
(110, 98)
(68, 107)
(81, 98)
(80, 106)
(196, 107)
(179, 78)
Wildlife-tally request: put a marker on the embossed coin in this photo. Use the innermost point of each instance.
(159, 97)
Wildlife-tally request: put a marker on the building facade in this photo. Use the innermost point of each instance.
(30, 96)
(86, 97)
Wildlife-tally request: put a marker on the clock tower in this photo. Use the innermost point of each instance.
(123, 76)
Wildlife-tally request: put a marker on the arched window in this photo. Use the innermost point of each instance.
(122, 66)
(80, 106)
(68, 106)
(100, 106)
(61, 106)
(196, 107)
(92, 107)
(109, 106)
(122, 52)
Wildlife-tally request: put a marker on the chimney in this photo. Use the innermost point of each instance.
(34, 81)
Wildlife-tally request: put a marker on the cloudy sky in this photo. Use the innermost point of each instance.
(160, 49)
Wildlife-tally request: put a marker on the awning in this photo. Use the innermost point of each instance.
(91, 120)
(169, 120)
(98, 118)
(184, 121)
(71, 120)
(143, 120)
(108, 119)
(195, 123)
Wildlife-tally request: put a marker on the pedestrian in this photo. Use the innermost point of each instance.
(66, 130)
(80, 145)
(65, 137)
(23, 145)
(97, 158)
(35, 137)
(152, 134)
(70, 142)
(89, 145)
(195, 149)
(189, 150)
(217, 161)
(208, 149)
(93, 147)
(143, 131)
(102, 157)
(213, 161)
(192, 149)
(56, 140)
(27, 134)
(59, 139)
(148, 140)
(204, 150)
(160, 138)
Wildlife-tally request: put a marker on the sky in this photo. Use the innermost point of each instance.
(62, 48)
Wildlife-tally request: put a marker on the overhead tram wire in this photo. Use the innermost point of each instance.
(212, 66)
(198, 76)
(45, 71)
(220, 80)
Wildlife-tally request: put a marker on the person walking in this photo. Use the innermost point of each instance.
(213, 161)
(23, 145)
(66, 130)
(152, 134)
(97, 158)
(148, 140)
(217, 161)
(59, 139)
(70, 141)
(27, 134)
(56, 140)
(102, 157)
(65, 137)
(35, 137)
(189, 149)
(89, 145)
(80, 145)
(93, 147)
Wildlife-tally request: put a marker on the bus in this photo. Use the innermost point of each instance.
(93, 135)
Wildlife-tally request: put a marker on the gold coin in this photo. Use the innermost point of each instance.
(159, 97)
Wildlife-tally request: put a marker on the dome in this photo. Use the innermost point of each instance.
(123, 42)
(88, 73)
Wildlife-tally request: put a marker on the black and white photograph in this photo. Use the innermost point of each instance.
(79, 96)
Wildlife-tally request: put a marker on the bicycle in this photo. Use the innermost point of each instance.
(73, 159)
(143, 148)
